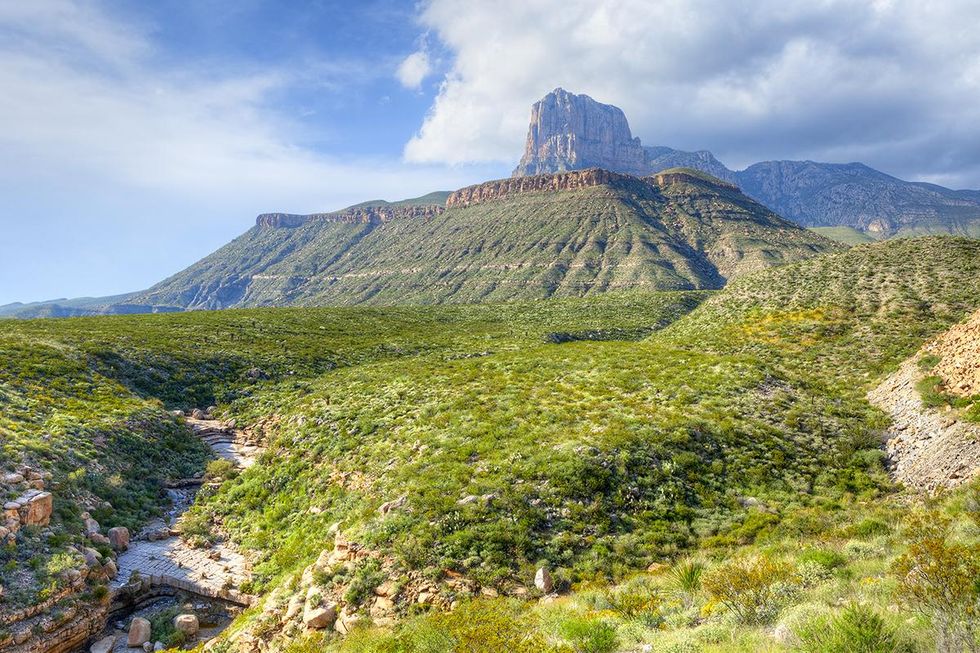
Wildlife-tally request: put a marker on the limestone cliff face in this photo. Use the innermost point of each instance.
(355, 215)
(572, 132)
(503, 188)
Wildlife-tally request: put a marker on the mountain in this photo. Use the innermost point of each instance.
(569, 132)
(568, 234)
(573, 132)
(81, 306)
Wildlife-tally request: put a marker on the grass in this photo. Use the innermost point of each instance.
(599, 435)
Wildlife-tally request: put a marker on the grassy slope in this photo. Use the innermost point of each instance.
(85, 398)
(845, 235)
(605, 455)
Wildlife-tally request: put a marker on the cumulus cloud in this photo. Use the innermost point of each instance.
(414, 69)
(891, 82)
(108, 147)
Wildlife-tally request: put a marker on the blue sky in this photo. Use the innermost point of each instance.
(137, 137)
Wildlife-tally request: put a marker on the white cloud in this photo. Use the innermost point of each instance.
(414, 69)
(893, 82)
(128, 168)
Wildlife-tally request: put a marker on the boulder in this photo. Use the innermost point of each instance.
(119, 538)
(158, 646)
(147, 647)
(542, 580)
(295, 607)
(389, 506)
(91, 526)
(317, 613)
(91, 557)
(319, 616)
(346, 622)
(197, 413)
(104, 645)
(110, 569)
(139, 632)
(36, 511)
(99, 538)
(13, 479)
(187, 624)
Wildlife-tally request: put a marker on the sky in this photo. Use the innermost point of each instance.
(137, 137)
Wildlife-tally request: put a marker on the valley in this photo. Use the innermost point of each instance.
(545, 472)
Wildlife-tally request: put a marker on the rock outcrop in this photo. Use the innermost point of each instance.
(959, 358)
(571, 132)
(374, 214)
(930, 449)
(574, 132)
(503, 188)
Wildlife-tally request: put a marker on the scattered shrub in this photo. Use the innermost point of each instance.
(587, 634)
(752, 589)
(939, 578)
(857, 629)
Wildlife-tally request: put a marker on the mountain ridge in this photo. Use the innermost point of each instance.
(569, 131)
(568, 234)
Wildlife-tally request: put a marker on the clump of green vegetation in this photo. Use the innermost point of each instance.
(751, 589)
(940, 577)
(858, 629)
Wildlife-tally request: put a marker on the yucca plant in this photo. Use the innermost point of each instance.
(686, 579)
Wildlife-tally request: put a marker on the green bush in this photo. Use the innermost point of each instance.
(939, 577)
(366, 578)
(750, 588)
(857, 629)
(587, 634)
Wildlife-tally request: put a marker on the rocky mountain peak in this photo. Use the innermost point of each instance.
(574, 132)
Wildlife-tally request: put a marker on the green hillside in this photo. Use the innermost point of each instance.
(845, 235)
(568, 235)
(464, 446)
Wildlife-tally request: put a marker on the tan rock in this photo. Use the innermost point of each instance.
(319, 616)
(110, 569)
(187, 624)
(37, 510)
(139, 632)
(104, 645)
(119, 538)
(346, 622)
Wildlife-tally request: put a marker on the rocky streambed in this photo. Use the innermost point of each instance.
(166, 591)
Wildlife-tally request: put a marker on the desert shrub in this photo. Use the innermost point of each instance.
(931, 392)
(638, 600)
(220, 469)
(589, 634)
(751, 588)
(162, 628)
(365, 579)
(857, 629)
(939, 578)
(827, 558)
(811, 573)
(870, 528)
(928, 361)
(474, 627)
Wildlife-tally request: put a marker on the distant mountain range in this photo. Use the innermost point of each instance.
(571, 132)
(589, 209)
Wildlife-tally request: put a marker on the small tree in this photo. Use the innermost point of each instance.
(941, 579)
(749, 587)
